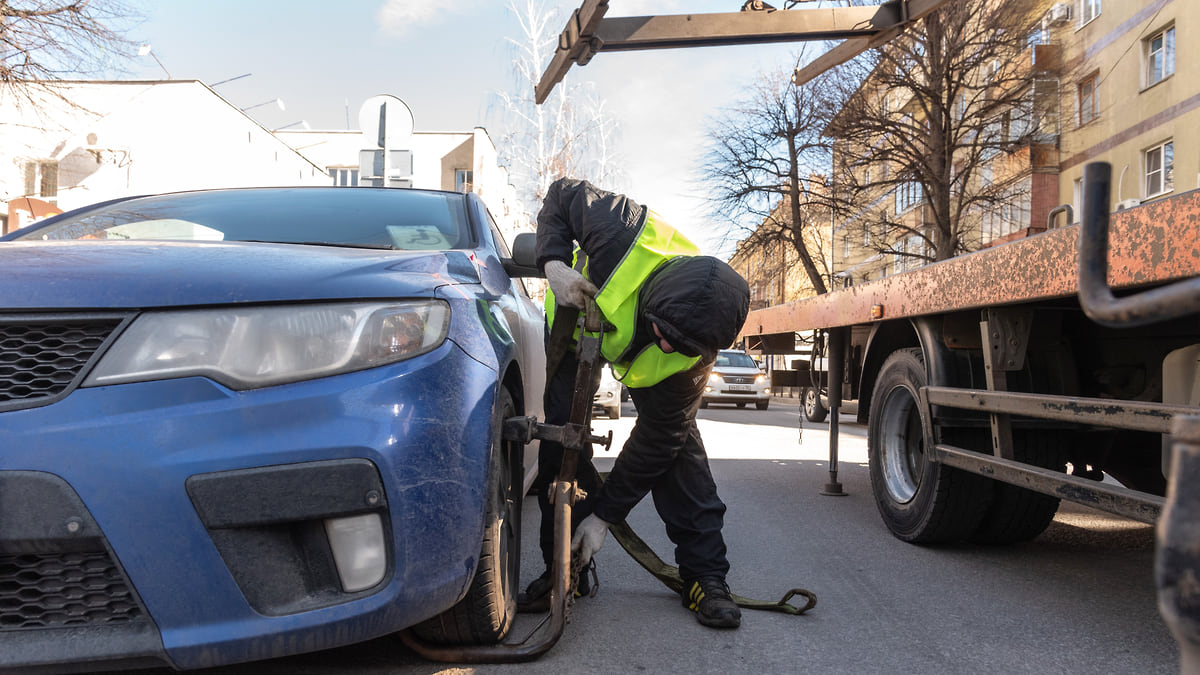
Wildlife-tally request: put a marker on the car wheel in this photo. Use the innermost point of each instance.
(920, 500)
(741, 405)
(762, 405)
(614, 413)
(813, 410)
(703, 403)
(486, 613)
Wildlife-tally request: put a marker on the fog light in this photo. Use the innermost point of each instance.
(358, 550)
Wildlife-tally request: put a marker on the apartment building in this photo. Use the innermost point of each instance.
(1102, 80)
(1131, 85)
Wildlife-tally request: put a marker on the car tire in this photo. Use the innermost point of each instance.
(614, 413)
(703, 403)
(486, 613)
(762, 405)
(741, 405)
(920, 500)
(813, 410)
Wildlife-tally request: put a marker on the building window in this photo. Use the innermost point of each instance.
(846, 246)
(1160, 167)
(1160, 56)
(1089, 99)
(1088, 10)
(344, 177)
(41, 180)
(908, 195)
(1011, 213)
(463, 180)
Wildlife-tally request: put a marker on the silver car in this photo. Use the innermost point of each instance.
(736, 378)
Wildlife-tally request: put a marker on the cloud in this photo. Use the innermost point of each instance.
(398, 17)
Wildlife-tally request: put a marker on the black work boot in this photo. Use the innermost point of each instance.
(536, 597)
(709, 599)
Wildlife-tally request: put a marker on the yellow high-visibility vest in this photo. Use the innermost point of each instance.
(656, 243)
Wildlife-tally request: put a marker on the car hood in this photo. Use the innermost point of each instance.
(734, 370)
(82, 274)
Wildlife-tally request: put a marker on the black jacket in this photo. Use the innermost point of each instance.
(698, 302)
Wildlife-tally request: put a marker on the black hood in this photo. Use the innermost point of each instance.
(698, 303)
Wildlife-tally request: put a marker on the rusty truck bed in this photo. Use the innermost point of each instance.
(1150, 244)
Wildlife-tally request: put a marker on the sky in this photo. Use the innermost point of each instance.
(447, 60)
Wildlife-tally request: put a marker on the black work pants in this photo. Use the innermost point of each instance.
(664, 456)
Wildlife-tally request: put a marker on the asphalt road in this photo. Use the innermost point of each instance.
(1078, 599)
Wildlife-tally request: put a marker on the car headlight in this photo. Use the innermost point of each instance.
(761, 379)
(251, 347)
(714, 378)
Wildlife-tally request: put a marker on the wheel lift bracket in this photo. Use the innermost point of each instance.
(574, 436)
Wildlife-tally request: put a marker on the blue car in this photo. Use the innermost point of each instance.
(241, 424)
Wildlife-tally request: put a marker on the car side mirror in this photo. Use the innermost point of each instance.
(523, 262)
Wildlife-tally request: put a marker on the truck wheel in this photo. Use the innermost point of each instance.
(813, 410)
(921, 501)
(486, 613)
(1017, 514)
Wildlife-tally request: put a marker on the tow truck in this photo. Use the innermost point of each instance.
(995, 384)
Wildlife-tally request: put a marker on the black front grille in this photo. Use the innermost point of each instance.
(63, 589)
(41, 359)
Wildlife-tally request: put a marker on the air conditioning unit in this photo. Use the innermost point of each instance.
(1128, 204)
(1059, 14)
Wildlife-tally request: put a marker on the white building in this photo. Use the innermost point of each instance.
(84, 142)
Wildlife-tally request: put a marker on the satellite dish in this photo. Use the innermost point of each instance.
(386, 121)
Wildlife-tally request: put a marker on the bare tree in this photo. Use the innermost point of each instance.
(936, 106)
(767, 167)
(569, 134)
(42, 41)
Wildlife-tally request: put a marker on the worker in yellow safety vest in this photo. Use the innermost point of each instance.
(671, 310)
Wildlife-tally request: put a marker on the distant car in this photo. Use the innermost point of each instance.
(736, 378)
(241, 424)
(608, 395)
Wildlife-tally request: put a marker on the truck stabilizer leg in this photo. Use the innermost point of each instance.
(1177, 563)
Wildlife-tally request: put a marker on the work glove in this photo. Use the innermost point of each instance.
(570, 287)
(589, 537)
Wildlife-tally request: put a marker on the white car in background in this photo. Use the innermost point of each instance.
(736, 378)
(608, 394)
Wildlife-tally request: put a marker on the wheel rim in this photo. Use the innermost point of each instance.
(810, 401)
(902, 445)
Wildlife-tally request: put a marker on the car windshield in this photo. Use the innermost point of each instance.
(354, 217)
(735, 360)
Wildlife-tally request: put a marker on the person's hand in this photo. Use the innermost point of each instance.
(589, 537)
(569, 286)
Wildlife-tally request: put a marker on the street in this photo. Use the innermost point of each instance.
(1078, 599)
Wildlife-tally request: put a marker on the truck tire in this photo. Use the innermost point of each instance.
(1017, 514)
(813, 410)
(486, 613)
(921, 501)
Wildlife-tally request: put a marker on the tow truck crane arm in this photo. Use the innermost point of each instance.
(587, 33)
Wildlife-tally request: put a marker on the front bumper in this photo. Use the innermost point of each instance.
(197, 511)
(722, 392)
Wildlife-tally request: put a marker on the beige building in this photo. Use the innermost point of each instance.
(457, 161)
(1106, 80)
(1131, 97)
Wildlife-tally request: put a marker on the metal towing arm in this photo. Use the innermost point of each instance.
(564, 492)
